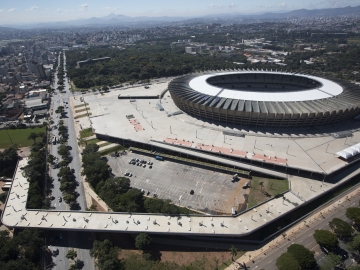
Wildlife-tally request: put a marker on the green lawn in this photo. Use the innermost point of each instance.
(81, 105)
(18, 136)
(86, 133)
(81, 110)
(104, 144)
(82, 115)
(112, 150)
(271, 186)
(93, 141)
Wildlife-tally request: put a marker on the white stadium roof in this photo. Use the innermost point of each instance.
(327, 90)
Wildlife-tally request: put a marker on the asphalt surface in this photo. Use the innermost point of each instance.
(305, 237)
(214, 192)
(69, 239)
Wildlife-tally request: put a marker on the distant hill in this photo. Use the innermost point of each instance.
(329, 12)
(118, 19)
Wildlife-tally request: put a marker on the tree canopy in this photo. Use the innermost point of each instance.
(326, 239)
(106, 255)
(286, 261)
(341, 228)
(143, 241)
(302, 255)
(333, 261)
(22, 251)
(353, 213)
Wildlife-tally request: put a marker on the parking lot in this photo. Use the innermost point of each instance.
(214, 192)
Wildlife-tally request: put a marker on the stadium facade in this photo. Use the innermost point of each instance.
(266, 98)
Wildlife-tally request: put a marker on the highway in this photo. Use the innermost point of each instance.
(69, 239)
(304, 236)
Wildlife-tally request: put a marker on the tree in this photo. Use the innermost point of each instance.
(261, 184)
(333, 262)
(71, 254)
(233, 252)
(354, 247)
(143, 241)
(73, 266)
(32, 136)
(302, 255)
(326, 239)
(69, 198)
(3, 197)
(353, 213)
(50, 159)
(106, 255)
(63, 150)
(286, 262)
(90, 148)
(341, 228)
(60, 110)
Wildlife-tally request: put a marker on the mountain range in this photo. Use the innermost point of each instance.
(113, 19)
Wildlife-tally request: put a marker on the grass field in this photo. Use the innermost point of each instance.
(93, 141)
(86, 133)
(354, 41)
(271, 186)
(18, 137)
(81, 105)
(82, 115)
(112, 150)
(81, 110)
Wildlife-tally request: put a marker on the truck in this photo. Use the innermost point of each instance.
(159, 158)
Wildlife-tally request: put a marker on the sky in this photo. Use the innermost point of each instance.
(33, 11)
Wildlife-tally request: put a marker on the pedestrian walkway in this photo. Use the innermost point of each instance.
(90, 194)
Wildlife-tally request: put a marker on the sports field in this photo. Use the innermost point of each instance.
(18, 136)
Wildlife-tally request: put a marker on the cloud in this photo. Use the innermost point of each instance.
(70, 11)
(283, 5)
(58, 10)
(32, 8)
(12, 10)
(111, 9)
(231, 5)
(1, 10)
(83, 7)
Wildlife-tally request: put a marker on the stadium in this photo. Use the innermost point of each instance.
(266, 98)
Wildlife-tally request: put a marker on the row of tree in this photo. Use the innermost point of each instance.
(36, 174)
(22, 251)
(65, 174)
(8, 159)
(298, 257)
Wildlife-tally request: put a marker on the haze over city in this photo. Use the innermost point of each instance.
(23, 11)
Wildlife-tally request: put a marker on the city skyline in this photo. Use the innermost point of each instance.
(21, 12)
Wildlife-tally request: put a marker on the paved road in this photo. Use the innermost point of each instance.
(305, 237)
(81, 242)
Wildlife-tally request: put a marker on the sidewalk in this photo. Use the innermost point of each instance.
(249, 256)
(89, 193)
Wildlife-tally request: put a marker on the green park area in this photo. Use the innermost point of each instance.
(263, 189)
(19, 137)
(86, 133)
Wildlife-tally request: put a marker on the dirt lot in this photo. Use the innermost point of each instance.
(207, 260)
